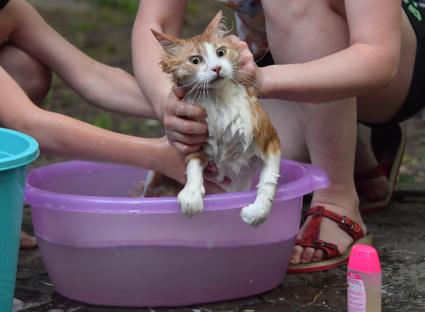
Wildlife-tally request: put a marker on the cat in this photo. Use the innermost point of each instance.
(240, 134)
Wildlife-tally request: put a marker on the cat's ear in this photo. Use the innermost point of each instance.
(216, 27)
(168, 43)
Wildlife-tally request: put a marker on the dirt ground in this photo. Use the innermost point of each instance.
(102, 29)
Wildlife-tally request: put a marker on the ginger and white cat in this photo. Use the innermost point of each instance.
(239, 131)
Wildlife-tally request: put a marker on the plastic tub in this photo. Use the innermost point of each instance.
(101, 247)
(17, 150)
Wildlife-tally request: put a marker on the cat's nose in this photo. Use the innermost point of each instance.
(217, 70)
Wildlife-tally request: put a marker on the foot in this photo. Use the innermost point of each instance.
(378, 159)
(191, 200)
(27, 241)
(372, 189)
(255, 214)
(330, 232)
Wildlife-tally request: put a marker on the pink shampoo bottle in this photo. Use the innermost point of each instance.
(364, 280)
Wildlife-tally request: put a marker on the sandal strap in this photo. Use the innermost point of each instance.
(381, 170)
(311, 233)
(349, 226)
(330, 250)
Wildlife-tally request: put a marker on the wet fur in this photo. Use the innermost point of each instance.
(240, 133)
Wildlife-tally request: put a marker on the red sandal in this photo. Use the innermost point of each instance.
(390, 161)
(331, 256)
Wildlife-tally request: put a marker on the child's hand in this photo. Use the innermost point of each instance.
(174, 166)
(249, 73)
(184, 123)
(172, 162)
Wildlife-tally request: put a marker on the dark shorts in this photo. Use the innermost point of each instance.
(415, 99)
(3, 3)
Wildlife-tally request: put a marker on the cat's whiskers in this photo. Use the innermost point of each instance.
(193, 100)
(242, 78)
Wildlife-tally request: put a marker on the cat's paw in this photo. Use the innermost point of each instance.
(255, 214)
(191, 201)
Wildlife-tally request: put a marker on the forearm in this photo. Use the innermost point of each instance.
(148, 73)
(64, 136)
(102, 85)
(71, 138)
(146, 51)
(115, 90)
(354, 71)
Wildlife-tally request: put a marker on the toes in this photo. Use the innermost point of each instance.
(307, 255)
(255, 214)
(296, 255)
(191, 202)
(318, 255)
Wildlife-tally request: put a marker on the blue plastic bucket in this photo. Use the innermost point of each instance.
(17, 150)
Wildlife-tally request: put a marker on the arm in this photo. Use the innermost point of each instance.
(105, 86)
(370, 61)
(165, 16)
(63, 136)
(180, 119)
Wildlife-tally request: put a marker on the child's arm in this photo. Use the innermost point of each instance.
(104, 86)
(180, 119)
(64, 136)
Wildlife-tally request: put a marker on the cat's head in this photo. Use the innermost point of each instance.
(209, 59)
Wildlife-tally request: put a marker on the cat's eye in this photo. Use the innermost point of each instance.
(197, 59)
(221, 52)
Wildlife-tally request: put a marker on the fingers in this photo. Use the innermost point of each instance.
(186, 148)
(242, 46)
(177, 107)
(187, 139)
(187, 127)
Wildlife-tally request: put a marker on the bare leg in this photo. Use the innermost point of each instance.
(300, 31)
(35, 79)
(371, 109)
(31, 75)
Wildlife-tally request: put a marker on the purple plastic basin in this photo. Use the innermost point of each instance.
(102, 247)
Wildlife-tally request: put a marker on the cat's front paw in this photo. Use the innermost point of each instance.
(255, 214)
(191, 201)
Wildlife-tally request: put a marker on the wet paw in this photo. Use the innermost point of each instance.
(255, 214)
(191, 201)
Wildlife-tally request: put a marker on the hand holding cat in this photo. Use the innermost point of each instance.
(174, 166)
(249, 73)
(184, 123)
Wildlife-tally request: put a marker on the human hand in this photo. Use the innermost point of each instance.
(248, 72)
(184, 123)
(172, 162)
(174, 166)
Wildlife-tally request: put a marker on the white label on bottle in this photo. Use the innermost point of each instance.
(356, 293)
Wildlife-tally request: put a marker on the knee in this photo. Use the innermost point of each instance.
(34, 77)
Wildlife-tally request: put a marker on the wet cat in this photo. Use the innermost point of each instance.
(240, 134)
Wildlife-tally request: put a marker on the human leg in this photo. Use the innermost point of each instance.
(376, 177)
(313, 30)
(35, 79)
(300, 31)
(32, 76)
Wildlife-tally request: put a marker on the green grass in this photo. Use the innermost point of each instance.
(127, 5)
(104, 120)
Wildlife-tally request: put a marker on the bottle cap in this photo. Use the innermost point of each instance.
(364, 258)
